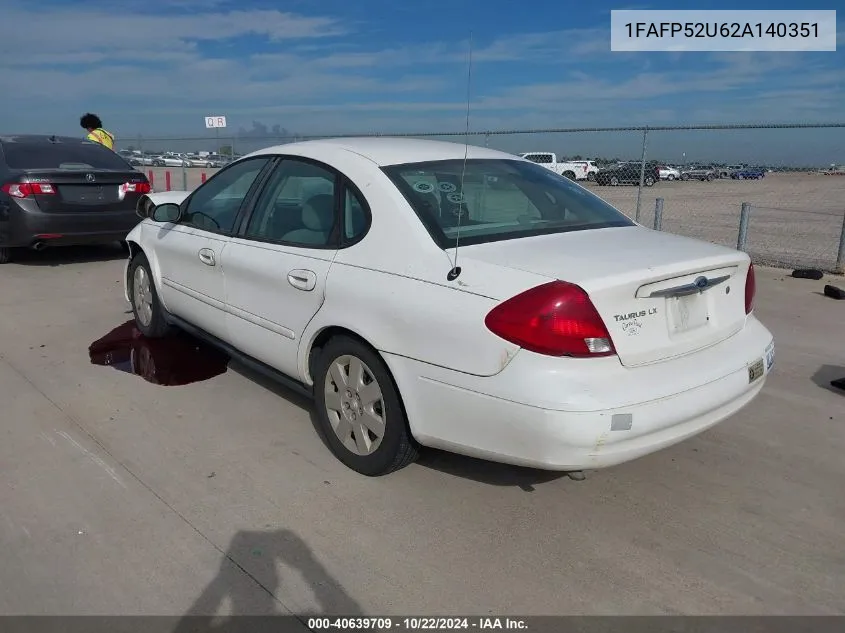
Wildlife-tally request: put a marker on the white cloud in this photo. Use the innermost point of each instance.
(139, 69)
(60, 34)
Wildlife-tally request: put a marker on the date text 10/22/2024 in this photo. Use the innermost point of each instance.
(422, 623)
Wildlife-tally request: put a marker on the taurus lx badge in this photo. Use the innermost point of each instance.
(635, 315)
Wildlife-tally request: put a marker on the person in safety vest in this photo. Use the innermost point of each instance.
(96, 133)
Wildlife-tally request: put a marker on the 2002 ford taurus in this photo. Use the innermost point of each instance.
(435, 294)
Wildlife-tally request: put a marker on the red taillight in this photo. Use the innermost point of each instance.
(136, 187)
(750, 289)
(555, 319)
(24, 189)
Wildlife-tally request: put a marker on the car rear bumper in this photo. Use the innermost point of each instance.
(26, 228)
(598, 415)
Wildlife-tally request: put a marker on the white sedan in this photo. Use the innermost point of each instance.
(667, 172)
(528, 322)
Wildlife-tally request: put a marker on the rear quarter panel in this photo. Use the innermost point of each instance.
(411, 317)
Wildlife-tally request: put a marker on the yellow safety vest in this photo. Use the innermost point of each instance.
(101, 136)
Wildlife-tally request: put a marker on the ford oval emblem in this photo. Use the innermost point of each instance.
(701, 282)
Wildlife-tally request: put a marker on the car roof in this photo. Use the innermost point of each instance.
(384, 151)
(41, 138)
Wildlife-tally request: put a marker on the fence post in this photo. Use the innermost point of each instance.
(744, 215)
(642, 174)
(184, 178)
(487, 139)
(840, 257)
(658, 214)
(167, 180)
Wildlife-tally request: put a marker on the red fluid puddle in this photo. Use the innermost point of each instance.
(179, 359)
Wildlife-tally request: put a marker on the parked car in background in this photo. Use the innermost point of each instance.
(727, 172)
(749, 173)
(169, 161)
(699, 172)
(60, 191)
(213, 161)
(592, 169)
(189, 161)
(666, 172)
(574, 170)
(141, 160)
(628, 173)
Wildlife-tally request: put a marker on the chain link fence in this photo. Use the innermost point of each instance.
(688, 180)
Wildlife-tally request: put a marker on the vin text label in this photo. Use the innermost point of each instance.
(722, 30)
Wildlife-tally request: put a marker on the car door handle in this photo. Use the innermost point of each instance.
(206, 256)
(303, 279)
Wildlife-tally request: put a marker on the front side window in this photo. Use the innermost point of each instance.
(215, 205)
(501, 199)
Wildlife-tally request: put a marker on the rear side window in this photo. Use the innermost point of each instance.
(83, 155)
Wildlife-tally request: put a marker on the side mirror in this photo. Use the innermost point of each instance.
(167, 212)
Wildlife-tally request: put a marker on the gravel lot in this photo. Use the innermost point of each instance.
(124, 497)
(796, 218)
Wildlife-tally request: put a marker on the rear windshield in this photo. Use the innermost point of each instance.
(44, 155)
(502, 199)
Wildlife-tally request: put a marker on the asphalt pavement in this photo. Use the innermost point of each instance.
(120, 496)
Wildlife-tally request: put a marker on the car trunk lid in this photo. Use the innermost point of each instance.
(660, 295)
(80, 191)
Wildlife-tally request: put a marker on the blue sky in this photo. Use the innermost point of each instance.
(155, 68)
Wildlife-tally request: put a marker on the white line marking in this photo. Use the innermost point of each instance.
(109, 470)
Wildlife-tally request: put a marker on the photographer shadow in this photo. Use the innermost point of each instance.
(249, 580)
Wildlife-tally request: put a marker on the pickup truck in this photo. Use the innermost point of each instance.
(574, 170)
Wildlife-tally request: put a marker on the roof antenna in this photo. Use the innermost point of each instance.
(456, 270)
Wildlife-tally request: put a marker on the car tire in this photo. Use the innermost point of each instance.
(5, 254)
(648, 181)
(614, 181)
(670, 177)
(372, 455)
(150, 316)
(684, 177)
(591, 176)
(569, 174)
(710, 178)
